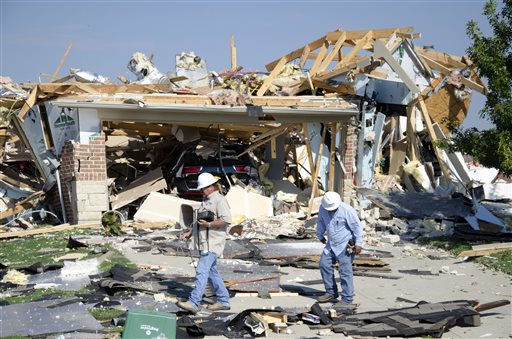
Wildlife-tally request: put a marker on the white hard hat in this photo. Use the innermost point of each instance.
(205, 180)
(331, 201)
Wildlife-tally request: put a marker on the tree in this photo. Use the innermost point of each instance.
(493, 59)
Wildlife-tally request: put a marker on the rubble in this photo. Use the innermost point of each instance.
(358, 112)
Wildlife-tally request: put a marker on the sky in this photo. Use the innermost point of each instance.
(35, 34)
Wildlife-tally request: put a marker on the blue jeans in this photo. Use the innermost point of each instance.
(346, 275)
(206, 270)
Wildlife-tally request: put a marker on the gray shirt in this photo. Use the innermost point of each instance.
(213, 239)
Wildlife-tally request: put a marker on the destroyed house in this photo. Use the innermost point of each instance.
(340, 109)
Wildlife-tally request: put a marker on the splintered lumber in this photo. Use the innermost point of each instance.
(444, 59)
(230, 283)
(490, 305)
(149, 225)
(359, 45)
(268, 80)
(368, 262)
(315, 175)
(412, 145)
(334, 38)
(62, 61)
(261, 141)
(297, 53)
(319, 58)
(332, 156)
(439, 153)
(233, 52)
(51, 229)
(481, 250)
(308, 147)
(330, 57)
(27, 105)
(445, 70)
(377, 33)
(23, 205)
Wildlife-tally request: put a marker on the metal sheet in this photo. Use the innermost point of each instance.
(418, 204)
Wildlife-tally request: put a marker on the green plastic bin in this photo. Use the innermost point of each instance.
(141, 324)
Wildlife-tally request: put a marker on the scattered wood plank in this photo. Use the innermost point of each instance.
(51, 229)
(152, 181)
(481, 250)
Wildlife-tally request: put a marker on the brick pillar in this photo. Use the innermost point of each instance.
(349, 157)
(84, 180)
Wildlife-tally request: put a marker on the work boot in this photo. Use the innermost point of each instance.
(327, 298)
(218, 307)
(187, 305)
(345, 305)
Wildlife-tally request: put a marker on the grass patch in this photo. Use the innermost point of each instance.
(116, 257)
(105, 314)
(501, 261)
(39, 293)
(454, 246)
(23, 252)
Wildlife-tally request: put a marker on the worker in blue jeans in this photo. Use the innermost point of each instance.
(209, 237)
(344, 240)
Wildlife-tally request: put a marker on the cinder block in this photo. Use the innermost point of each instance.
(88, 217)
(91, 187)
(390, 238)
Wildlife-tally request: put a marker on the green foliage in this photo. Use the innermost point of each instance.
(492, 56)
(111, 224)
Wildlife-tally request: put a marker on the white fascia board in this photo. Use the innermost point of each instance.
(208, 113)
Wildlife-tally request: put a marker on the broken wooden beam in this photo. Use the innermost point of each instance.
(481, 250)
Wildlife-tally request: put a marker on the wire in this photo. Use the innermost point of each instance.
(24, 213)
(185, 248)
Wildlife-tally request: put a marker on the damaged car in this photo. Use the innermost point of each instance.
(228, 165)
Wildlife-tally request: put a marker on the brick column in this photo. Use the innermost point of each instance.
(84, 180)
(349, 157)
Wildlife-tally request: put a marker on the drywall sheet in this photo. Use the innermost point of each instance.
(166, 208)
(248, 204)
